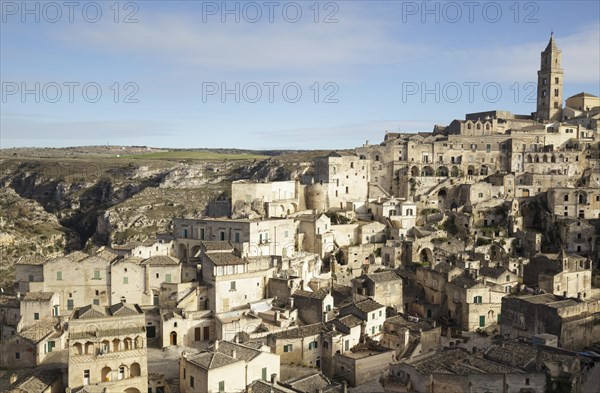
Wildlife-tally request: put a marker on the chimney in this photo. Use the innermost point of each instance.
(274, 378)
(216, 346)
(234, 353)
(13, 378)
(324, 316)
(291, 302)
(344, 387)
(276, 316)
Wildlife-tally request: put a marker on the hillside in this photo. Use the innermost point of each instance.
(89, 197)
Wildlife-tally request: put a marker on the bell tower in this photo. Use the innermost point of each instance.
(550, 83)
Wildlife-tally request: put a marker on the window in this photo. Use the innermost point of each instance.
(264, 373)
(222, 236)
(59, 275)
(232, 286)
(507, 278)
(36, 316)
(237, 237)
(69, 304)
(288, 348)
(96, 274)
(221, 386)
(168, 278)
(347, 345)
(125, 280)
(184, 374)
(566, 198)
(526, 381)
(31, 277)
(17, 355)
(380, 312)
(192, 381)
(477, 300)
(157, 275)
(96, 302)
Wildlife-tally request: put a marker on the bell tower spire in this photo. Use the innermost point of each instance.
(550, 83)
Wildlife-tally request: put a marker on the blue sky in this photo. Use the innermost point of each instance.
(360, 66)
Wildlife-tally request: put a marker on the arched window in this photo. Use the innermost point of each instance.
(135, 370)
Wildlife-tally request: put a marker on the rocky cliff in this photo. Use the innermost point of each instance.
(51, 205)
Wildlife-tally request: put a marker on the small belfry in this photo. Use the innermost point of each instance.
(550, 83)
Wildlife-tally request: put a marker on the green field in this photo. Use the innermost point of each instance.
(195, 155)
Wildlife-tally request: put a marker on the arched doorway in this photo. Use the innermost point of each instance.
(173, 338)
(426, 256)
(105, 374)
(183, 254)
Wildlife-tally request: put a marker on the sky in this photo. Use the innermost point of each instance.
(275, 74)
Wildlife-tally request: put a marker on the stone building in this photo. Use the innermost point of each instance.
(410, 336)
(253, 238)
(300, 345)
(369, 311)
(107, 349)
(574, 202)
(78, 279)
(226, 367)
(276, 199)
(384, 287)
(340, 181)
(550, 83)
(473, 303)
(509, 367)
(313, 307)
(561, 274)
(574, 322)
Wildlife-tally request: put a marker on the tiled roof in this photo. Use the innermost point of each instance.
(345, 323)
(31, 260)
(89, 311)
(320, 294)
(123, 309)
(211, 360)
(313, 383)
(465, 281)
(493, 272)
(39, 331)
(170, 315)
(36, 382)
(37, 296)
(217, 245)
(243, 352)
(300, 331)
(383, 277)
(442, 267)
(76, 256)
(132, 259)
(368, 305)
(223, 259)
(161, 260)
(116, 310)
(260, 386)
(107, 255)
